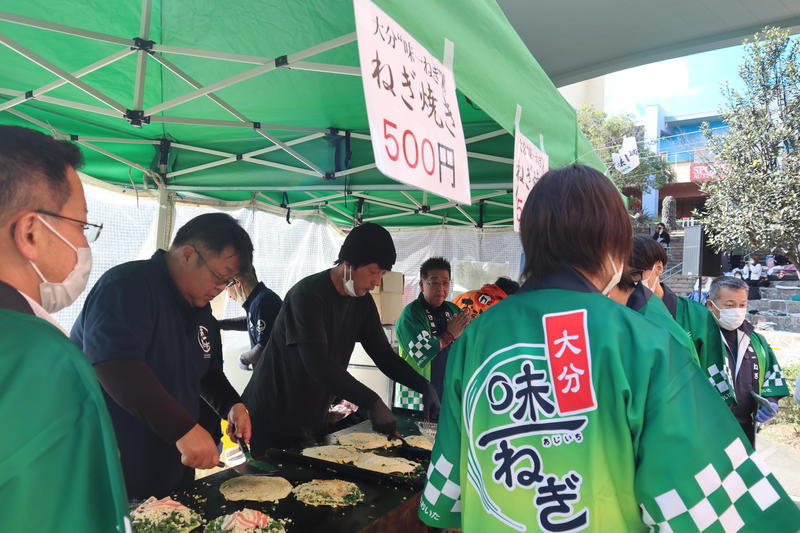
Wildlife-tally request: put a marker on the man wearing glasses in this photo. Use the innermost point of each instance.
(61, 469)
(148, 330)
(426, 328)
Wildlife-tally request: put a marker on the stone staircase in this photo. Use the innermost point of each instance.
(776, 307)
(680, 285)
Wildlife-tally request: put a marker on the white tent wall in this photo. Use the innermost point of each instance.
(129, 225)
(284, 253)
(454, 244)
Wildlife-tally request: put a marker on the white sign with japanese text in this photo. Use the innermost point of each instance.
(412, 108)
(530, 164)
(628, 157)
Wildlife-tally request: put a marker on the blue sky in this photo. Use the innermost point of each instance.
(689, 84)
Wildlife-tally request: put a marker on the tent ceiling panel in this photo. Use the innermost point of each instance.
(237, 128)
(574, 40)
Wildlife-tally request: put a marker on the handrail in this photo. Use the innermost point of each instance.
(671, 272)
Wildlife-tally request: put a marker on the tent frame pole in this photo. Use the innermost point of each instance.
(141, 62)
(60, 28)
(166, 218)
(233, 124)
(61, 73)
(248, 74)
(380, 187)
(325, 67)
(498, 204)
(196, 85)
(59, 82)
(484, 136)
(494, 158)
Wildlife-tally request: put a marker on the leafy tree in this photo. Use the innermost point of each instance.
(605, 133)
(755, 202)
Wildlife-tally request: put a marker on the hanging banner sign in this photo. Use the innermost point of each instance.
(628, 157)
(530, 164)
(412, 108)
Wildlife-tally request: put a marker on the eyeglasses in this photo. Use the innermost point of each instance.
(90, 231)
(228, 281)
(438, 284)
(636, 275)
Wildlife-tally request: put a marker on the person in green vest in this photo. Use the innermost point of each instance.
(638, 297)
(757, 377)
(647, 264)
(566, 411)
(59, 462)
(425, 330)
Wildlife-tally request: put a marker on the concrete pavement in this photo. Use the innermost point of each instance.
(784, 462)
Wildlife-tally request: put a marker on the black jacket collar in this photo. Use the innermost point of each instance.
(437, 310)
(639, 297)
(11, 299)
(670, 300)
(258, 289)
(567, 278)
(747, 328)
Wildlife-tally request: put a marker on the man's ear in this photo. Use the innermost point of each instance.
(27, 235)
(186, 253)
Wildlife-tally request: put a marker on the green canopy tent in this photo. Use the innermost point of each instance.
(261, 101)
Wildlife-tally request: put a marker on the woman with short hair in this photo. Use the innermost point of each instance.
(565, 411)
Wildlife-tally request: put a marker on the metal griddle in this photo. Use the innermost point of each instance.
(380, 498)
(406, 425)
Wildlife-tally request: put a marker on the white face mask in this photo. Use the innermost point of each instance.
(651, 283)
(730, 319)
(349, 284)
(240, 296)
(57, 296)
(614, 278)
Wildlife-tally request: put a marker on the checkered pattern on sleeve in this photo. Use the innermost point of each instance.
(774, 377)
(442, 490)
(717, 501)
(407, 398)
(419, 348)
(718, 378)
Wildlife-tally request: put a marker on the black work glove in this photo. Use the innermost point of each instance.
(382, 418)
(430, 404)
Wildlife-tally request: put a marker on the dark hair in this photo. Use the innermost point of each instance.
(662, 225)
(215, 232)
(366, 244)
(33, 170)
(573, 216)
(507, 285)
(646, 253)
(626, 281)
(433, 263)
(247, 272)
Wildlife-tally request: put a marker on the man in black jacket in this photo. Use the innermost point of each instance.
(261, 306)
(304, 366)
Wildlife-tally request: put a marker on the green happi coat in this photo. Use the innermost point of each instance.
(59, 461)
(653, 309)
(771, 382)
(418, 344)
(702, 328)
(565, 411)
